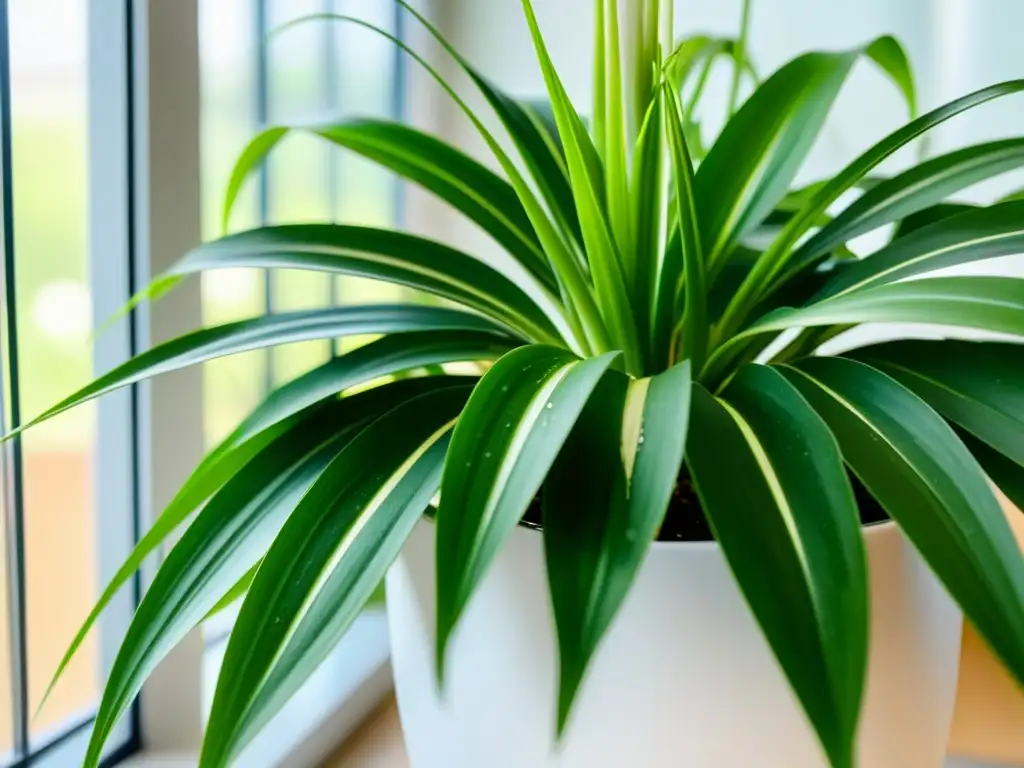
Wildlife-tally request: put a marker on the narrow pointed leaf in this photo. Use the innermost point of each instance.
(203, 483)
(978, 386)
(892, 59)
(616, 157)
(588, 187)
(509, 435)
(928, 216)
(983, 233)
(695, 310)
(993, 304)
(780, 258)
(777, 264)
(655, 279)
(791, 534)
(921, 187)
(453, 176)
(628, 443)
(532, 128)
(388, 356)
(251, 160)
(377, 254)
(583, 311)
(269, 331)
(913, 463)
(326, 562)
(752, 164)
(226, 539)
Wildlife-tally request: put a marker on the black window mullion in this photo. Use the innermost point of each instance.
(13, 464)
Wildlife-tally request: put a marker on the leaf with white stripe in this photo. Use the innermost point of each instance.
(390, 355)
(978, 385)
(588, 185)
(271, 331)
(991, 304)
(982, 233)
(506, 441)
(453, 176)
(228, 536)
(772, 484)
(912, 462)
(604, 502)
(375, 254)
(326, 562)
(914, 190)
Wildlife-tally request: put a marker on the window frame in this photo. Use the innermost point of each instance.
(115, 481)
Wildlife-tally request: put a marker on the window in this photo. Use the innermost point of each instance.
(67, 486)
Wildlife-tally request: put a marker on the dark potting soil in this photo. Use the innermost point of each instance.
(685, 520)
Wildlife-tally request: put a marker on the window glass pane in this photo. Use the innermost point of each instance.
(365, 77)
(298, 177)
(233, 386)
(49, 92)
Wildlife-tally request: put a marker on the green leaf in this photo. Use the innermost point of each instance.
(912, 462)
(606, 263)
(655, 279)
(450, 174)
(506, 440)
(696, 53)
(892, 59)
(378, 254)
(455, 177)
(326, 562)
(583, 313)
(628, 443)
(225, 540)
(976, 385)
(695, 313)
(269, 331)
(752, 164)
(983, 233)
(913, 191)
(252, 159)
(236, 593)
(223, 464)
(387, 356)
(791, 535)
(992, 304)
(532, 128)
(616, 155)
(777, 263)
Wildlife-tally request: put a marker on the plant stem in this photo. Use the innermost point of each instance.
(740, 58)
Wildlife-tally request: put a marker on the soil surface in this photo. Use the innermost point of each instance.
(685, 520)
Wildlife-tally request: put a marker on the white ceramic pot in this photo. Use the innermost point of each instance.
(684, 679)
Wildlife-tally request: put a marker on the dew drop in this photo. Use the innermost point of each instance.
(488, 455)
(550, 406)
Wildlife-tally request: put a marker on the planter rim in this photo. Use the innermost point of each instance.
(870, 530)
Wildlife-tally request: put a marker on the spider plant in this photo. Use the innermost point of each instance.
(672, 300)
